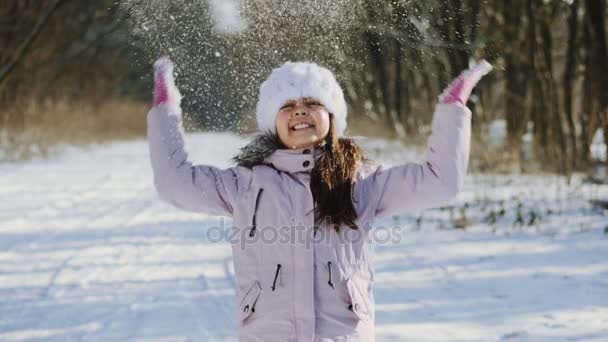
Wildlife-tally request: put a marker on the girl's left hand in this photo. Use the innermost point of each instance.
(460, 89)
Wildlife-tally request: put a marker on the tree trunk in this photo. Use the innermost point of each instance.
(379, 66)
(570, 79)
(587, 102)
(596, 10)
(537, 99)
(515, 80)
(558, 143)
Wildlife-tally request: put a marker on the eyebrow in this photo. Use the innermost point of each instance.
(288, 104)
(307, 100)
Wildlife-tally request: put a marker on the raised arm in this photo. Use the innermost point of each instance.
(199, 188)
(437, 180)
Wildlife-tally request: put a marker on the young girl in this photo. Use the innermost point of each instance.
(303, 201)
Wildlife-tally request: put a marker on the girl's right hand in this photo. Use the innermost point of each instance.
(165, 90)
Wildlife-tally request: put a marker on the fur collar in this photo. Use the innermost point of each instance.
(263, 145)
(255, 152)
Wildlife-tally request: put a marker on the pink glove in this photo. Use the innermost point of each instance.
(460, 89)
(165, 90)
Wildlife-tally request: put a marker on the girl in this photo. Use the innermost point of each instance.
(303, 199)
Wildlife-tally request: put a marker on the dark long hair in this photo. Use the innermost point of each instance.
(333, 178)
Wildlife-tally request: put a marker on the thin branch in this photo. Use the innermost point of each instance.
(26, 44)
(76, 51)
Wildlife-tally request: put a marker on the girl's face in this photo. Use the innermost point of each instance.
(302, 123)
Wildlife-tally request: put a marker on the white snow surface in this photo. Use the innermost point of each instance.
(89, 253)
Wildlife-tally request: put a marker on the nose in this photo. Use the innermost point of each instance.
(300, 111)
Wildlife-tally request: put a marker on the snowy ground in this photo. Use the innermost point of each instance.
(88, 252)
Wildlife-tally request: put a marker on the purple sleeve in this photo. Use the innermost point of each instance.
(198, 188)
(432, 183)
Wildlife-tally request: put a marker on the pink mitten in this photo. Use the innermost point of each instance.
(165, 90)
(460, 89)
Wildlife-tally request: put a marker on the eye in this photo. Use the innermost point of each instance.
(288, 105)
(313, 103)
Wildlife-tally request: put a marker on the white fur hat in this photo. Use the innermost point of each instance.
(292, 81)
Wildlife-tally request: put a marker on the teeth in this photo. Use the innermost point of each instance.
(302, 126)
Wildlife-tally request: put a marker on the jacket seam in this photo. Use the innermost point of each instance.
(293, 289)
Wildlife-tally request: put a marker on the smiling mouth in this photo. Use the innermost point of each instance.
(301, 127)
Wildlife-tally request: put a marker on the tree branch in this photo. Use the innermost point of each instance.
(26, 44)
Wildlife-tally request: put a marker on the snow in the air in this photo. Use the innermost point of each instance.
(226, 16)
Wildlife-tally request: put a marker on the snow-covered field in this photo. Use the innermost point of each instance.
(88, 252)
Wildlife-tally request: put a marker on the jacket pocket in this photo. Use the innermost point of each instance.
(360, 303)
(247, 305)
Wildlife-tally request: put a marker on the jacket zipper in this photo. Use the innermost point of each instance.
(255, 212)
(276, 275)
(329, 281)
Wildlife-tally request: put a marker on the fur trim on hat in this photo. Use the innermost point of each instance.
(293, 81)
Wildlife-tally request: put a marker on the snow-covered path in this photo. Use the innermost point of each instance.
(88, 252)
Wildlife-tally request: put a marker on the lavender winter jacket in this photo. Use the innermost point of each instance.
(293, 284)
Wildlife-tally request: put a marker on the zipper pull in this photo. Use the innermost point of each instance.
(329, 281)
(276, 275)
(255, 213)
